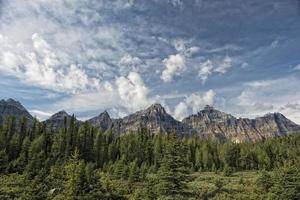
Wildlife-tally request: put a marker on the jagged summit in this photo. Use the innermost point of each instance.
(12, 107)
(13, 102)
(154, 118)
(157, 108)
(102, 121)
(58, 120)
(61, 113)
(208, 115)
(208, 108)
(104, 114)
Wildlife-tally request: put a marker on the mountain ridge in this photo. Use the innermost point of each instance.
(209, 123)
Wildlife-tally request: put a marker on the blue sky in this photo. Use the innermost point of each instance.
(87, 56)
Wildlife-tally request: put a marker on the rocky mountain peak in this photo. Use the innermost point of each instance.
(104, 114)
(12, 102)
(210, 114)
(208, 108)
(156, 108)
(60, 114)
(11, 107)
(102, 121)
(57, 120)
(155, 119)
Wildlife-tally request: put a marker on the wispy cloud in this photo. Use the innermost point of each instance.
(207, 68)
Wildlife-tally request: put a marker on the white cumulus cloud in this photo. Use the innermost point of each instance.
(132, 91)
(197, 102)
(174, 64)
(181, 111)
(194, 102)
(126, 94)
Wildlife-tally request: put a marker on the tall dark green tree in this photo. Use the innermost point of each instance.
(172, 174)
(134, 174)
(74, 172)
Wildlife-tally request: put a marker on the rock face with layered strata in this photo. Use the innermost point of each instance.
(214, 124)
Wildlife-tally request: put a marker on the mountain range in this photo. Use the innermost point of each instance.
(207, 123)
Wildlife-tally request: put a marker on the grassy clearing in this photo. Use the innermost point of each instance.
(210, 185)
(204, 185)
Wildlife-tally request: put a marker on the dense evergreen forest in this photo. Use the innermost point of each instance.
(85, 163)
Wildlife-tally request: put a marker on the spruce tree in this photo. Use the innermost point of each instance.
(172, 174)
(74, 170)
(134, 172)
(286, 183)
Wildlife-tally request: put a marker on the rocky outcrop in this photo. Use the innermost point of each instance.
(10, 107)
(102, 121)
(59, 120)
(155, 119)
(214, 124)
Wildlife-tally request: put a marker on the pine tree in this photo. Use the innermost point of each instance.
(231, 155)
(133, 172)
(171, 175)
(98, 149)
(36, 157)
(3, 161)
(119, 169)
(143, 171)
(158, 151)
(23, 158)
(286, 183)
(74, 170)
(13, 147)
(23, 130)
(33, 129)
(71, 137)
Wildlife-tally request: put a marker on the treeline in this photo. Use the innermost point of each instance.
(83, 162)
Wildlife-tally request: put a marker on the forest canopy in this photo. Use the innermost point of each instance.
(81, 162)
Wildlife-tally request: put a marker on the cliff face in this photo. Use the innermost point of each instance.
(214, 124)
(11, 107)
(155, 119)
